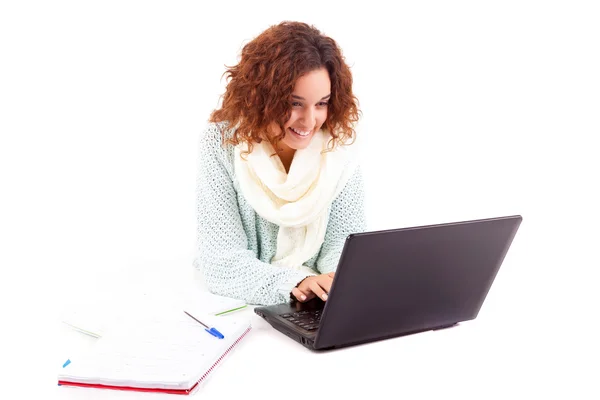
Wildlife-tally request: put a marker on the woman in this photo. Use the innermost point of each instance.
(278, 187)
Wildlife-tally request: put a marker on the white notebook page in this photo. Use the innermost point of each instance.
(171, 352)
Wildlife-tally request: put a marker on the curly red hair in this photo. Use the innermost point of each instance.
(260, 86)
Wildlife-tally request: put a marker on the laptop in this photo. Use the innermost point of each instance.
(399, 282)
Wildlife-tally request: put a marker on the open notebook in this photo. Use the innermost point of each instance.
(94, 318)
(172, 355)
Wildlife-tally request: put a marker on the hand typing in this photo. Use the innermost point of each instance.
(313, 286)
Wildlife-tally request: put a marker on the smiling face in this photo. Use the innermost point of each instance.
(310, 100)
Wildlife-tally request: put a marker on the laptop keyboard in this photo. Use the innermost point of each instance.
(307, 319)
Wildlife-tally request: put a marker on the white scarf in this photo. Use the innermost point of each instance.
(296, 201)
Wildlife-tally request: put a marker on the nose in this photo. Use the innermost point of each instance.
(309, 117)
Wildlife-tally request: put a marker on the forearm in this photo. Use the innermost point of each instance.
(239, 274)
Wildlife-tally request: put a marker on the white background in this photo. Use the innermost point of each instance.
(470, 109)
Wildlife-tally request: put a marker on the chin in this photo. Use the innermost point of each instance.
(297, 146)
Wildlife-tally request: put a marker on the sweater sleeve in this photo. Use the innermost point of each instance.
(347, 216)
(228, 266)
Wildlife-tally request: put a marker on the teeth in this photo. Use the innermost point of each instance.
(301, 133)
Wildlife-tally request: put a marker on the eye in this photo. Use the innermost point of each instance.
(323, 104)
(296, 104)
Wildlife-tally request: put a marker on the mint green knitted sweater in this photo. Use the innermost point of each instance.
(235, 244)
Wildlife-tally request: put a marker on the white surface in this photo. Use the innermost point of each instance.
(471, 109)
(509, 351)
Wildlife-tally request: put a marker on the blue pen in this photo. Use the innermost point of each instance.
(208, 329)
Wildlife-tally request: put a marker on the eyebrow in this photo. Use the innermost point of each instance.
(302, 98)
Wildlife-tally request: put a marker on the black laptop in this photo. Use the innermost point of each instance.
(402, 281)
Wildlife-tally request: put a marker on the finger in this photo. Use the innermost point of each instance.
(302, 293)
(331, 274)
(326, 283)
(316, 288)
(298, 294)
